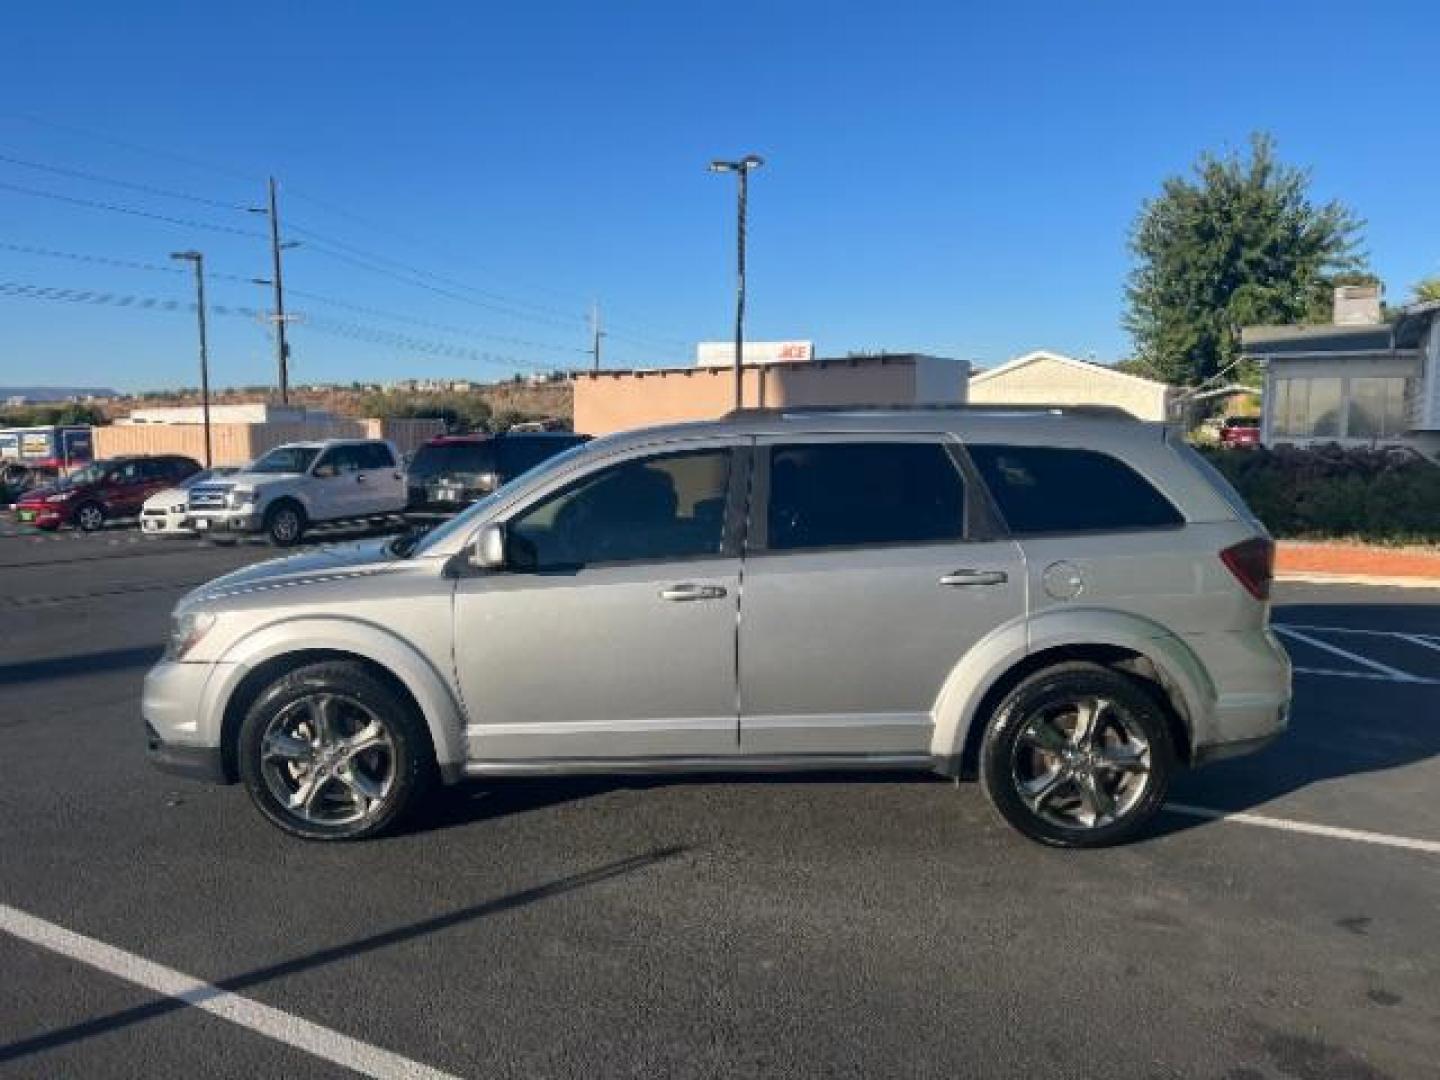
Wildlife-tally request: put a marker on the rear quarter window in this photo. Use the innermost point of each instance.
(1053, 489)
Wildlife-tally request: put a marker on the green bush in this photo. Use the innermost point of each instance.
(1382, 496)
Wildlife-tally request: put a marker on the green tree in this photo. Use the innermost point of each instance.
(1427, 290)
(1236, 244)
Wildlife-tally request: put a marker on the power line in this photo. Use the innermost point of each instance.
(138, 148)
(80, 174)
(334, 328)
(122, 264)
(134, 212)
(320, 298)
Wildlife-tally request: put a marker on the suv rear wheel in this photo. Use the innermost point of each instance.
(89, 517)
(1078, 755)
(329, 752)
(285, 524)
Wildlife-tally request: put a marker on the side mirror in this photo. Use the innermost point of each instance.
(488, 552)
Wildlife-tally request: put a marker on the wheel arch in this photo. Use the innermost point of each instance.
(1114, 639)
(264, 656)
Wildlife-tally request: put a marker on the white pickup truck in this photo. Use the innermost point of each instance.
(300, 484)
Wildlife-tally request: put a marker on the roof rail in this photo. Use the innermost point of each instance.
(1109, 412)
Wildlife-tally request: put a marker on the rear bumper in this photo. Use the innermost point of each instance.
(1251, 674)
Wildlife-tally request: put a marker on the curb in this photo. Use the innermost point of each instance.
(1312, 577)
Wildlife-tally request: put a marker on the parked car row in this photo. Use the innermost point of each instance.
(290, 488)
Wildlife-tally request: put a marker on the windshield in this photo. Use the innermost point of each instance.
(286, 459)
(452, 459)
(90, 474)
(463, 522)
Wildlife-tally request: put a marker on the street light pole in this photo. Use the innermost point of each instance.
(198, 260)
(741, 169)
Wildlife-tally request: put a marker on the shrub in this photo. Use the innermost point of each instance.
(1385, 496)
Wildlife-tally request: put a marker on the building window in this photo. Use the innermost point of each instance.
(1308, 408)
(1378, 408)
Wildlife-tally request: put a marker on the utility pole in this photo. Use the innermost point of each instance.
(595, 335)
(198, 260)
(282, 347)
(742, 170)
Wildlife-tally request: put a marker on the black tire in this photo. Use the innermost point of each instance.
(89, 517)
(285, 523)
(356, 694)
(1065, 792)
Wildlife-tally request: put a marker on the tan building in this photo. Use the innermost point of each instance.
(239, 442)
(1049, 378)
(609, 401)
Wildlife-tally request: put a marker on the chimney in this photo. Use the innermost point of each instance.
(1357, 305)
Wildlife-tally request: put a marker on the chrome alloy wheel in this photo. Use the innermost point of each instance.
(328, 759)
(1081, 764)
(90, 517)
(286, 526)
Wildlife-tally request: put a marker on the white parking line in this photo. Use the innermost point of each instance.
(1422, 640)
(1413, 680)
(1429, 847)
(1394, 674)
(1431, 640)
(291, 1030)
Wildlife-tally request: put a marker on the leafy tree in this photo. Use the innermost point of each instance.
(1428, 290)
(1237, 244)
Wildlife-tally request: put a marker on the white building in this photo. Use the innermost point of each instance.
(1050, 378)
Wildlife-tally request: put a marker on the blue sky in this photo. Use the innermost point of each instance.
(949, 177)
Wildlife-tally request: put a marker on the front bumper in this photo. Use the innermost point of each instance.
(237, 522)
(42, 517)
(182, 721)
(205, 763)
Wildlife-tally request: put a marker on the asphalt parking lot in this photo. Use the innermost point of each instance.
(1280, 921)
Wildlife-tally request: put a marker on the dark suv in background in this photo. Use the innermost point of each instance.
(114, 488)
(450, 472)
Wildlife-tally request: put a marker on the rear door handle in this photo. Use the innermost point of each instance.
(688, 591)
(975, 577)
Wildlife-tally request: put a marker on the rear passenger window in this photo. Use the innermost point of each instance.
(1048, 489)
(825, 495)
(376, 456)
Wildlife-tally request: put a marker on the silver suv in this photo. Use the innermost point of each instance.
(1071, 607)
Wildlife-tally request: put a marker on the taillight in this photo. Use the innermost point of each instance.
(1253, 564)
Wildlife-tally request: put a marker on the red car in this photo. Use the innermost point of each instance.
(102, 490)
(1240, 431)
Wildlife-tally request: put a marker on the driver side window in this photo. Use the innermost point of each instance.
(654, 509)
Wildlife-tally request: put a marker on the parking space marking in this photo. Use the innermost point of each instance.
(1394, 674)
(1431, 640)
(1414, 680)
(1422, 640)
(322, 1042)
(1410, 843)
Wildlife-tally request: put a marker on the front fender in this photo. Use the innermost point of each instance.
(429, 687)
(957, 707)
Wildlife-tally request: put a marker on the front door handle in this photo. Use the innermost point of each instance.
(975, 577)
(688, 591)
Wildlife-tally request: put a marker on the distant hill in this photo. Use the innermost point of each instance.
(55, 393)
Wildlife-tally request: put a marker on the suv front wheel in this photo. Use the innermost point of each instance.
(1078, 755)
(285, 523)
(329, 752)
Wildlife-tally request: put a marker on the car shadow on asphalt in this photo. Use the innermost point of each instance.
(399, 935)
(76, 666)
(485, 799)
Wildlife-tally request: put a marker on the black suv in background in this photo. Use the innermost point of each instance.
(450, 472)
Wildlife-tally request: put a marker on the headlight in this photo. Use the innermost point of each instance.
(239, 497)
(487, 481)
(186, 632)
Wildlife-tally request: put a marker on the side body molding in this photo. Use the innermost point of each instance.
(983, 666)
(431, 689)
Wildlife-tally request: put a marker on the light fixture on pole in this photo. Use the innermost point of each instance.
(741, 169)
(198, 260)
